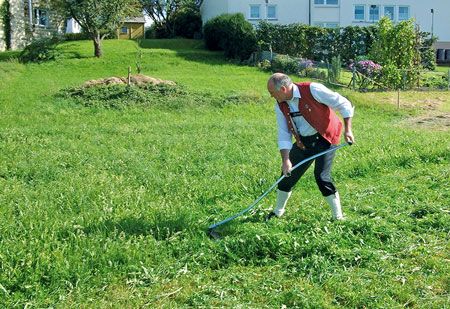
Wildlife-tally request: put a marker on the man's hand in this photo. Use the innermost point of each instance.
(348, 134)
(286, 167)
(349, 138)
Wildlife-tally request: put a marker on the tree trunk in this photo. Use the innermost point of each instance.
(97, 45)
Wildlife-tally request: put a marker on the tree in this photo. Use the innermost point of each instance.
(164, 12)
(97, 17)
(397, 49)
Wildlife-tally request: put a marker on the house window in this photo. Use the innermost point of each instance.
(389, 12)
(41, 17)
(328, 25)
(254, 11)
(403, 12)
(374, 13)
(326, 2)
(124, 30)
(360, 12)
(271, 12)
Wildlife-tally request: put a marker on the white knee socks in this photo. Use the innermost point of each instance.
(335, 205)
(282, 198)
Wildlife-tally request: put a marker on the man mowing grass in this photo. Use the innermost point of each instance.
(306, 111)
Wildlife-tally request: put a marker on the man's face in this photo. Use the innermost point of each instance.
(278, 95)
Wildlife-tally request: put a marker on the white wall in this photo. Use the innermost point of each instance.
(287, 11)
(212, 8)
(322, 13)
(72, 26)
(297, 11)
(420, 10)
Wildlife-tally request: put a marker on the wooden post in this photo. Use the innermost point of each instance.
(129, 76)
(404, 80)
(354, 76)
(448, 82)
(398, 98)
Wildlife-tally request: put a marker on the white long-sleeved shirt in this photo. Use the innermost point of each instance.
(323, 95)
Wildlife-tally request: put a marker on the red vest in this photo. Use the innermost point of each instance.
(322, 118)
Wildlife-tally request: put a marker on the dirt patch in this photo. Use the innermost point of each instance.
(435, 121)
(425, 104)
(139, 80)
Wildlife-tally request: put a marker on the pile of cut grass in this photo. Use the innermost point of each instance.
(120, 96)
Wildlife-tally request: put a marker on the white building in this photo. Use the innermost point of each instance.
(72, 26)
(430, 15)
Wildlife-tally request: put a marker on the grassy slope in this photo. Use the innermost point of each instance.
(108, 208)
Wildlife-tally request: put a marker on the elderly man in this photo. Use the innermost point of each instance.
(306, 111)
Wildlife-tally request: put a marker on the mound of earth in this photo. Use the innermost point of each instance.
(138, 80)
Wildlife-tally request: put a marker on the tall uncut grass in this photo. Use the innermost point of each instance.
(106, 207)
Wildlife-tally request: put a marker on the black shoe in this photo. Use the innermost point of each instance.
(270, 216)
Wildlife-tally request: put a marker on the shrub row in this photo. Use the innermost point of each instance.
(236, 36)
(316, 43)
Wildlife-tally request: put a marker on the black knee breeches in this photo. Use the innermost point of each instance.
(322, 168)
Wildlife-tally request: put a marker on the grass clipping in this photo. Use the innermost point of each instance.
(146, 91)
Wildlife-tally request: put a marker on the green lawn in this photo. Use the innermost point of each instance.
(108, 208)
(442, 68)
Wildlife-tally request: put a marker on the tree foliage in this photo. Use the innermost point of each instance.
(427, 52)
(165, 13)
(97, 17)
(5, 21)
(397, 49)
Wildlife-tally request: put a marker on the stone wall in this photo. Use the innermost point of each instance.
(18, 35)
(2, 30)
(21, 32)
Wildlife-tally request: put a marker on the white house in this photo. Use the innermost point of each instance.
(72, 26)
(430, 15)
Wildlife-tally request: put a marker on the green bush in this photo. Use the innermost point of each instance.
(285, 64)
(158, 31)
(187, 23)
(427, 52)
(356, 42)
(5, 21)
(76, 36)
(41, 50)
(334, 72)
(296, 40)
(318, 74)
(397, 49)
(314, 42)
(150, 32)
(390, 76)
(231, 33)
(86, 36)
(214, 32)
(435, 82)
(265, 65)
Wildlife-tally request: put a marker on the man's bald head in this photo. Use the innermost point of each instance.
(279, 80)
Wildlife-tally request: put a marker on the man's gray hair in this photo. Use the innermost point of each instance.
(280, 79)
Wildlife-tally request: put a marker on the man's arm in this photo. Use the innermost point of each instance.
(286, 164)
(336, 102)
(348, 134)
(284, 141)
